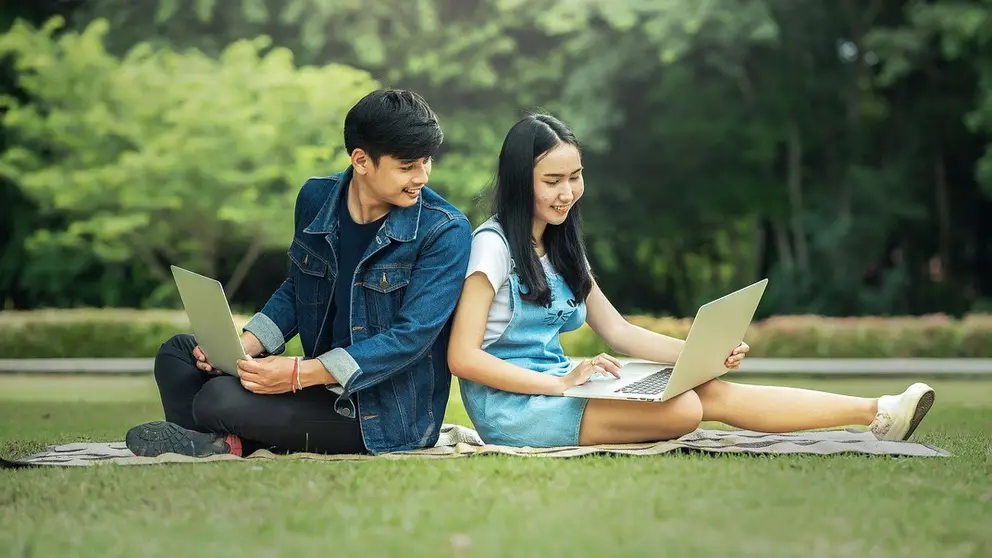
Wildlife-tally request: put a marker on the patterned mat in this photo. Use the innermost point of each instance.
(458, 441)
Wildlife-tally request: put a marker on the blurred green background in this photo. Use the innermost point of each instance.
(840, 147)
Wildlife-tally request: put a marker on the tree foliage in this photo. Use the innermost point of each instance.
(169, 157)
(840, 147)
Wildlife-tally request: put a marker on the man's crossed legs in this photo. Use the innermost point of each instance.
(207, 414)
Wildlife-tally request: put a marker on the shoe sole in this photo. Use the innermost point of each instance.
(155, 438)
(922, 408)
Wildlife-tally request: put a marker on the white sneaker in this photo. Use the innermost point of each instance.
(899, 415)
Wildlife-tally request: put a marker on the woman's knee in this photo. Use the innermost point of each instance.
(712, 392)
(681, 414)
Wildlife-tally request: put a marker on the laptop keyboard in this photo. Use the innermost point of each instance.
(651, 385)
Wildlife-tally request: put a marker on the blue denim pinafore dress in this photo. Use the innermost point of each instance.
(531, 341)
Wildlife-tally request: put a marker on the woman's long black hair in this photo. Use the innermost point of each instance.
(513, 206)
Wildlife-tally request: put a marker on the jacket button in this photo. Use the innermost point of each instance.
(346, 413)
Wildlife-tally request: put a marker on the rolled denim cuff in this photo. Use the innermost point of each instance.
(340, 365)
(267, 332)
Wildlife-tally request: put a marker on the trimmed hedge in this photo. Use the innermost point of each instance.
(95, 333)
(933, 336)
(139, 333)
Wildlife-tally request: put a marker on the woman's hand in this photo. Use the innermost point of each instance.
(603, 363)
(734, 360)
(267, 375)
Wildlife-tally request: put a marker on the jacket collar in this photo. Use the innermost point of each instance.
(401, 224)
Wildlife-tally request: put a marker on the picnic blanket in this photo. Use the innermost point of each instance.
(459, 441)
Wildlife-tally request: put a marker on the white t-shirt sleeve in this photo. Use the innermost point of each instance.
(490, 256)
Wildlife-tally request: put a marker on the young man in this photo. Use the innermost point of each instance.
(377, 261)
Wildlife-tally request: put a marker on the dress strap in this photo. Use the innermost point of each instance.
(492, 225)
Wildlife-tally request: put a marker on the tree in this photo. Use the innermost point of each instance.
(170, 157)
(828, 144)
(938, 56)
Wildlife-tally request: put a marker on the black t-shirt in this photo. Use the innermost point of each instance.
(353, 239)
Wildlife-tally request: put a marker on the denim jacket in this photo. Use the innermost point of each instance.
(394, 375)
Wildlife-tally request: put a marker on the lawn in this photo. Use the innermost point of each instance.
(671, 505)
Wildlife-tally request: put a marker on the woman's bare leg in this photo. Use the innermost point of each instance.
(628, 422)
(750, 407)
(782, 409)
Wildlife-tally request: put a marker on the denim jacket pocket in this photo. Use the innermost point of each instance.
(384, 289)
(309, 274)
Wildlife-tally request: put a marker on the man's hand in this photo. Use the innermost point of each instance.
(202, 363)
(249, 342)
(734, 360)
(269, 375)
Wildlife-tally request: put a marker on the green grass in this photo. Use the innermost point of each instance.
(671, 504)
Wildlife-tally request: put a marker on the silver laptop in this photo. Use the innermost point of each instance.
(211, 319)
(718, 328)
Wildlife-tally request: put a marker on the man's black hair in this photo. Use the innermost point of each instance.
(393, 122)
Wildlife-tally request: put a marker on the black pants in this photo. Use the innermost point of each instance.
(288, 422)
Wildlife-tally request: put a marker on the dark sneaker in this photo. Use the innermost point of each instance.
(155, 438)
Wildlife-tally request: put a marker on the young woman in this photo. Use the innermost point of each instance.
(528, 280)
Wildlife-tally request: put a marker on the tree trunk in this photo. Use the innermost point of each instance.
(861, 18)
(760, 249)
(151, 263)
(796, 209)
(784, 249)
(943, 214)
(241, 270)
